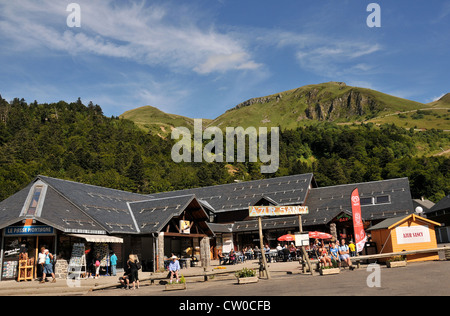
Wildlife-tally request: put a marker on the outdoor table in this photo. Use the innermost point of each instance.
(249, 255)
(273, 254)
(184, 262)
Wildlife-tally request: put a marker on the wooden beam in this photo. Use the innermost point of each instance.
(184, 235)
(263, 254)
(401, 253)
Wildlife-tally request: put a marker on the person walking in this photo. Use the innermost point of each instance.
(113, 262)
(48, 267)
(132, 264)
(41, 263)
(97, 263)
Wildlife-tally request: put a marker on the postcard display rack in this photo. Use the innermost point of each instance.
(26, 268)
(77, 263)
(10, 270)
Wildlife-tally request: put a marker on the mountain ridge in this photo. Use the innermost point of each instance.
(325, 102)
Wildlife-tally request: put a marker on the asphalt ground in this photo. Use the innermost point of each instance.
(416, 279)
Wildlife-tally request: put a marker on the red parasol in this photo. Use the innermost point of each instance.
(287, 237)
(320, 235)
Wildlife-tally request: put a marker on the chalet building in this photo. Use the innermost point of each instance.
(76, 221)
(440, 212)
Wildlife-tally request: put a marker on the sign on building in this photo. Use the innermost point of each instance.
(412, 234)
(185, 227)
(258, 211)
(28, 230)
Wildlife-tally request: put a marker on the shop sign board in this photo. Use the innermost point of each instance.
(301, 240)
(258, 211)
(185, 227)
(28, 230)
(412, 234)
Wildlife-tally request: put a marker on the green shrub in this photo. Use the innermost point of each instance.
(245, 273)
(396, 258)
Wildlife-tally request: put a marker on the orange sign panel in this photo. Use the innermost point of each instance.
(256, 211)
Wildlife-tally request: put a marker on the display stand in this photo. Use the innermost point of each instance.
(26, 268)
(9, 270)
(77, 263)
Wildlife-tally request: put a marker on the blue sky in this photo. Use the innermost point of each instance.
(199, 58)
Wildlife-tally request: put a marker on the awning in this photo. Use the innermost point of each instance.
(99, 238)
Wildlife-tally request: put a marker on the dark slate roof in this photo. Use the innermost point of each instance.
(11, 207)
(267, 223)
(327, 202)
(391, 221)
(443, 204)
(108, 207)
(221, 228)
(154, 215)
(425, 204)
(289, 190)
(60, 213)
(386, 223)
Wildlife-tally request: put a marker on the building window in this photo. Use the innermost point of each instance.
(34, 200)
(366, 201)
(383, 199)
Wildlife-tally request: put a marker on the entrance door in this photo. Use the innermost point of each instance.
(48, 242)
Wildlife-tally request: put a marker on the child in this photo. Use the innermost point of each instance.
(352, 248)
(113, 261)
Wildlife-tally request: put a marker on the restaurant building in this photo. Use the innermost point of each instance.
(76, 221)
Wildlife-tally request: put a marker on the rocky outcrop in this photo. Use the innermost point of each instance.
(350, 104)
(261, 100)
(324, 102)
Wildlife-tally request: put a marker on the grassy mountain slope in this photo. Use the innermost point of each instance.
(433, 115)
(158, 122)
(307, 105)
(444, 101)
(332, 101)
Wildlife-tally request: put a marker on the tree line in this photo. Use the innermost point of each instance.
(78, 142)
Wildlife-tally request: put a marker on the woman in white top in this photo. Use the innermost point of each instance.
(41, 262)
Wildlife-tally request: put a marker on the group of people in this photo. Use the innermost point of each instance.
(45, 265)
(94, 264)
(231, 258)
(338, 252)
(248, 253)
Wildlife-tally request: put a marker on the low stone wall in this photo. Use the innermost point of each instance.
(61, 267)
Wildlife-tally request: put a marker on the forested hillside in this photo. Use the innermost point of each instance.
(77, 142)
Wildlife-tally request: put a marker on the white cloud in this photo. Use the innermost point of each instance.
(336, 58)
(436, 98)
(326, 56)
(145, 34)
(223, 62)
